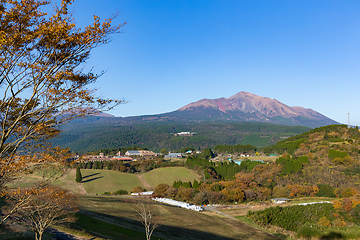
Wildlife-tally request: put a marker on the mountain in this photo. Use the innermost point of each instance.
(248, 107)
(241, 107)
(244, 118)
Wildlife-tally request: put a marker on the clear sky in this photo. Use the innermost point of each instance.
(172, 52)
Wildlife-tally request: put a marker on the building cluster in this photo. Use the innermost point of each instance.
(128, 156)
(101, 157)
(141, 153)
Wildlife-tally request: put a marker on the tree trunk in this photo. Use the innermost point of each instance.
(39, 235)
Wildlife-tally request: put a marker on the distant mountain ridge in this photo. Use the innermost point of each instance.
(241, 107)
(249, 107)
(249, 102)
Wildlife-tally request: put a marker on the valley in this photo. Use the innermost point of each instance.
(316, 166)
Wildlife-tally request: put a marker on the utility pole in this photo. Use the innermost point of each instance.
(348, 120)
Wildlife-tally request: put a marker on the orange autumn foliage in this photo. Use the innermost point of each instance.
(41, 54)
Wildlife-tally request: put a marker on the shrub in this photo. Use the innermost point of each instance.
(137, 189)
(308, 230)
(121, 192)
(325, 191)
(324, 222)
(195, 184)
(118, 192)
(171, 192)
(160, 189)
(201, 198)
(336, 154)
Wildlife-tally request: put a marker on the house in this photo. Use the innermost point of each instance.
(173, 155)
(99, 158)
(133, 153)
(144, 153)
(280, 200)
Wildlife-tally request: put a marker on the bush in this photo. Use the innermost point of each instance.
(160, 189)
(201, 198)
(118, 192)
(137, 189)
(325, 191)
(121, 192)
(337, 154)
(308, 230)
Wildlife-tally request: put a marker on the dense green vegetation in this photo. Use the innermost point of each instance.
(234, 148)
(320, 220)
(290, 218)
(219, 170)
(292, 165)
(291, 144)
(92, 134)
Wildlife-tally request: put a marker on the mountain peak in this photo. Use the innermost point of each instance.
(247, 106)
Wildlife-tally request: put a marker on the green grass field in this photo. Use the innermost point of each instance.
(100, 181)
(169, 175)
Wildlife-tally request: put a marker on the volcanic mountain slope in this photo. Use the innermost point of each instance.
(242, 107)
(248, 107)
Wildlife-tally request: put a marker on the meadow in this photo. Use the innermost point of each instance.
(96, 181)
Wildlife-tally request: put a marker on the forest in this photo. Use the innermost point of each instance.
(89, 135)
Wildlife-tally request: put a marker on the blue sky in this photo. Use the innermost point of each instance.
(170, 53)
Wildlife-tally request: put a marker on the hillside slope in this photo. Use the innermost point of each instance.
(97, 133)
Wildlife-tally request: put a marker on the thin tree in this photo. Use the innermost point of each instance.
(147, 216)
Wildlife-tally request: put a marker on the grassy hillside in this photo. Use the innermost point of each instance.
(176, 223)
(93, 134)
(100, 181)
(169, 175)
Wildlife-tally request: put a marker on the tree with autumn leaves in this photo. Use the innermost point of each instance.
(42, 80)
(42, 207)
